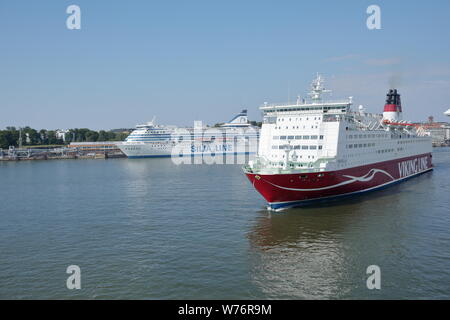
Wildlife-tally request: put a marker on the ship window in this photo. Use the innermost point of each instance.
(305, 137)
(298, 137)
(320, 147)
(350, 146)
(290, 137)
(314, 137)
(283, 137)
(304, 147)
(296, 147)
(312, 147)
(321, 137)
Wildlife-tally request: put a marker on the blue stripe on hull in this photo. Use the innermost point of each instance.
(155, 156)
(191, 155)
(290, 204)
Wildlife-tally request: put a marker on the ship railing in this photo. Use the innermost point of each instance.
(309, 104)
(366, 114)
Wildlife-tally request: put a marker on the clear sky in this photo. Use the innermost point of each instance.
(206, 60)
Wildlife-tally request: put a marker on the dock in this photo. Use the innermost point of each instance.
(75, 150)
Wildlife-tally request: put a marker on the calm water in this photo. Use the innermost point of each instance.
(147, 229)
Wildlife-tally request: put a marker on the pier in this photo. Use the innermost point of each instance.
(79, 150)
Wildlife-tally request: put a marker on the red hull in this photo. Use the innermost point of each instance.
(285, 190)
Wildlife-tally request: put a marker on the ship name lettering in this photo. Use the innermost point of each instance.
(413, 166)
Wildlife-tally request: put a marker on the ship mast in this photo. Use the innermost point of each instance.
(317, 89)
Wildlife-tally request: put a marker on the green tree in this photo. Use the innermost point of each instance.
(7, 139)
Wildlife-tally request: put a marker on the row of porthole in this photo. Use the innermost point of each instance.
(298, 119)
(296, 127)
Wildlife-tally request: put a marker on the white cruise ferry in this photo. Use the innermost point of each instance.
(317, 149)
(237, 136)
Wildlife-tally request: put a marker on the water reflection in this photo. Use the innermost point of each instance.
(321, 252)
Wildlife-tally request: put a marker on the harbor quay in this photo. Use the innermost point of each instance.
(75, 150)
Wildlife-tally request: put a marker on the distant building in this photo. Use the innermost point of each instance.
(61, 134)
(99, 146)
(439, 131)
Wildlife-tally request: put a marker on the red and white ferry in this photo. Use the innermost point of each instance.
(316, 149)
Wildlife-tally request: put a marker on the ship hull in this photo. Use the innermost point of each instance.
(291, 190)
(147, 150)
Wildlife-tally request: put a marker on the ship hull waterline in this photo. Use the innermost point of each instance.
(283, 191)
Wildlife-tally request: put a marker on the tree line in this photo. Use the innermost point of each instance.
(11, 136)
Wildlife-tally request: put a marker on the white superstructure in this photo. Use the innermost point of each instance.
(150, 140)
(317, 135)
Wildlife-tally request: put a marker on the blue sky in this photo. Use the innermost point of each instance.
(206, 60)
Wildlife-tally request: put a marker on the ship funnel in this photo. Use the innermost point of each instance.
(393, 107)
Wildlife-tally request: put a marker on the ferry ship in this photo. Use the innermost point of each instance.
(318, 150)
(237, 136)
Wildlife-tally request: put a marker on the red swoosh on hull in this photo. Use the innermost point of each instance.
(309, 186)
